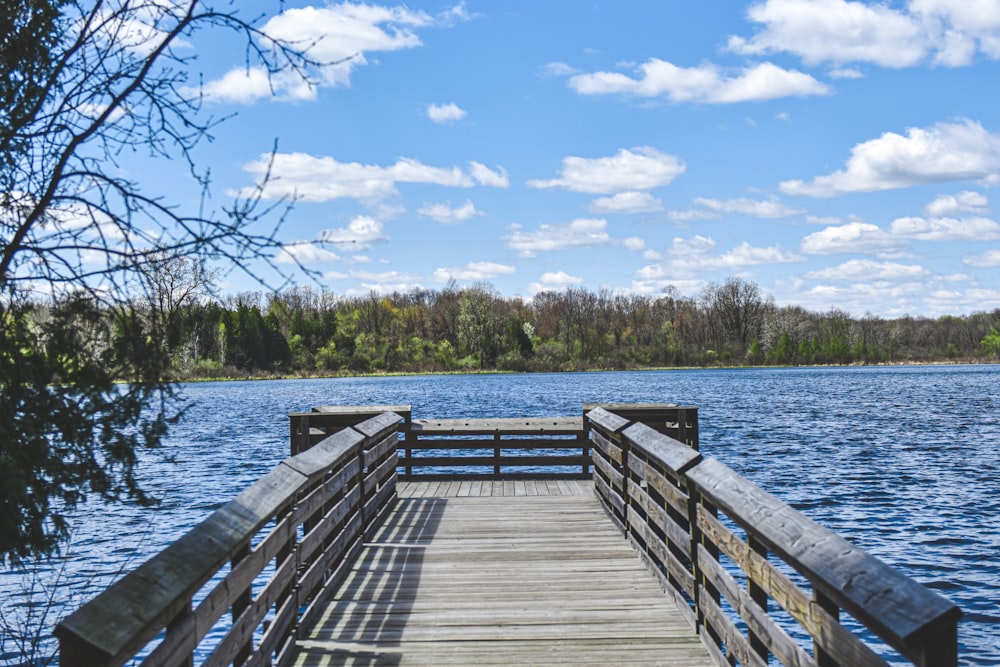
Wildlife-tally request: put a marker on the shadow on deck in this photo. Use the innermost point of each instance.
(499, 579)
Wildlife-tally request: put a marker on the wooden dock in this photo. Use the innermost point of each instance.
(603, 538)
(512, 573)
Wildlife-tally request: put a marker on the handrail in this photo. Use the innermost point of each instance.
(308, 516)
(668, 499)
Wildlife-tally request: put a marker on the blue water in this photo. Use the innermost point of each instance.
(902, 461)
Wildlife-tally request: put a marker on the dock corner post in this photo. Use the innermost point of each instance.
(299, 433)
(939, 650)
(76, 652)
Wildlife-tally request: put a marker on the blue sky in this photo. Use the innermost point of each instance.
(839, 154)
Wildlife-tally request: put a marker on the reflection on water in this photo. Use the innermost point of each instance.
(902, 461)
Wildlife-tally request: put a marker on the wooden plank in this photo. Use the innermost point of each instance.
(505, 580)
(550, 425)
(673, 455)
(605, 420)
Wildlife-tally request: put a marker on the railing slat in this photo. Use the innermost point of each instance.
(894, 606)
(125, 617)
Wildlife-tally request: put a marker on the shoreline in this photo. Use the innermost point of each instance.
(258, 377)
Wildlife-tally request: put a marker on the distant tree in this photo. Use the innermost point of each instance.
(84, 84)
(736, 312)
(991, 342)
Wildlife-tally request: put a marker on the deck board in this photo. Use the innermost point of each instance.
(507, 579)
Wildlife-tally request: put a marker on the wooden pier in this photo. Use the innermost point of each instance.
(606, 538)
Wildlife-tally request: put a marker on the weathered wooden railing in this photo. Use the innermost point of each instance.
(681, 512)
(495, 448)
(254, 570)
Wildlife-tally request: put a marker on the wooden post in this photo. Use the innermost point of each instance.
(241, 604)
(824, 659)
(758, 595)
(496, 455)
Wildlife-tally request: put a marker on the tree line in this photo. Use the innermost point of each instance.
(307, 331)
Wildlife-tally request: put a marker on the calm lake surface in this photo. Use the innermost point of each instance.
(903, 461)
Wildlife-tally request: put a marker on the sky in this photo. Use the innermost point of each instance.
(841, 155)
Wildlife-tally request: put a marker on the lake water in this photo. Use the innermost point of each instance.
(903, 461)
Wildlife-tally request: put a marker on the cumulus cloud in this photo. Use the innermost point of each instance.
(704, 208)
(474, 271)
(984, 260)
(313, 178)
(943, 152)
(638, 169)
(446, 215)
(946, 229)
(963, 202)
(854, 237)
(740, 257)
(626, 202)
(706, 83)
(380, 282)
(943, 32)
(489, 177)
(554, 281)
(359, 234)
(305, 253)
(445, 113)
(339, 36)
(581, 233)
(866, 269)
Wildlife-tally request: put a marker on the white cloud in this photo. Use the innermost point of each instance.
(740, 257)
(626, 202)
(474, 271)
(338, 36)
(318, 179)
(963, 202)
(642, 168)
(445, 113)
(866, 269)
(305, 253)
(850, 238)
(834, 31)
(846, 73)
(692, 256)
(984, 260)
(705, 83)
(246, 85)
(703, 208)
(581, 233)
(446, 215)
(359, 234)
(380, 282)
(946, 229)
(634, 243)
(558, 69)
(943, 152)
(696, 245)
(554, 281)
(944, 32)
(488, 177)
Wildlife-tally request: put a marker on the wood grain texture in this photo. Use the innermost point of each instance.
(508, 579)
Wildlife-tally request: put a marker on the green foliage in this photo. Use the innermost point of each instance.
(66, 428)
(991, 342)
